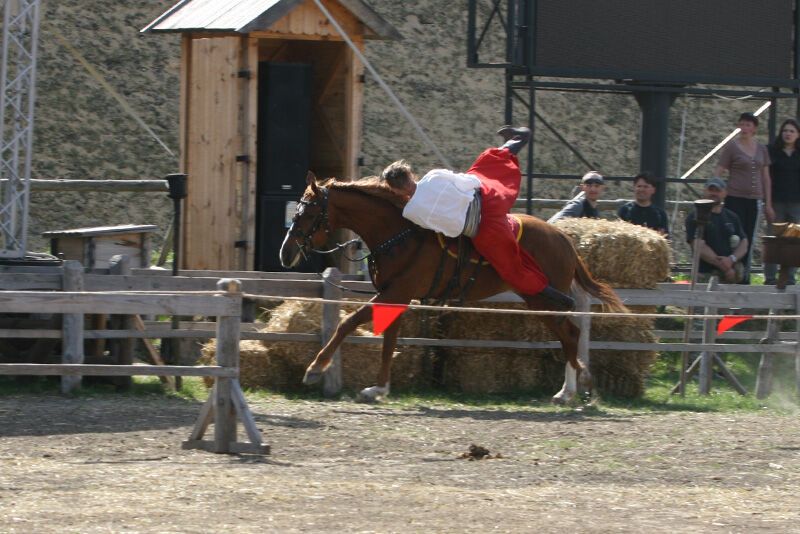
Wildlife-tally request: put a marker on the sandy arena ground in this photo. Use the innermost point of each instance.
(114, 464)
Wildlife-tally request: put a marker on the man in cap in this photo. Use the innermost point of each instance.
(724, 243)
(585, 203)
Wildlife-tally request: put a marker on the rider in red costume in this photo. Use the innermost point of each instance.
(500, 178)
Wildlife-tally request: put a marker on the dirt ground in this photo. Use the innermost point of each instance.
(114, 464)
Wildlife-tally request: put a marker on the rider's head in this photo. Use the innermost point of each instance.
(400, 177)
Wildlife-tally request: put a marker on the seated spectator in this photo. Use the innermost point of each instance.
(641, 210)
(724, 243)
(585, 203)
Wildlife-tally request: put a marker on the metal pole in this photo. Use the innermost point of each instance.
(177, 192)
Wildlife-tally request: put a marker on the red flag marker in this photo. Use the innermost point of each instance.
(383, 315)
(729, 321)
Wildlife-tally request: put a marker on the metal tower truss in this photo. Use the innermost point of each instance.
(17, 97)
(497, 33)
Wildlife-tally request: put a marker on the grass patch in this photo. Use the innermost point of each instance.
(664, 376)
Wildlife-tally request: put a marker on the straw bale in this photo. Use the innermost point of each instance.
(505, 370)
(498, 370)
(280, 365)
(621, 254)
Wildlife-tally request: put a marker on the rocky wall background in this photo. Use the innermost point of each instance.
(82, 132)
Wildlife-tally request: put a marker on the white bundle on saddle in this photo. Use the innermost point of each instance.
(441, 201)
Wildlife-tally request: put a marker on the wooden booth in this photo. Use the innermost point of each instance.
(269, 90)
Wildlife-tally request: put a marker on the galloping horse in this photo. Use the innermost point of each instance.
(405, 264)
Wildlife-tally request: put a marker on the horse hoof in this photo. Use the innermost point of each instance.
(562, 399)
(312, 377)
(373, 394)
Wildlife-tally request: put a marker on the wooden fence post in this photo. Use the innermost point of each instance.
(332, 380)
(709, 336)
(584, 304)
(121, 265)
(764, 377)
(797, 347)
(227, 356)
(72, 327)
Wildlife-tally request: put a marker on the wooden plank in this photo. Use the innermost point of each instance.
(716, 299)
(250, 144)
(213, 142)
(227, 356)
(205, 417)
(332, 379)
(709, 336)
(274, 288)
(183, 109)
(72, 325)
(765, 374)
(240, 275)
(155, 356)
(63, 369)
(23, 333)
(797, 349)
(245, 415)
(76, 302)
(729, 335)
(25, 281)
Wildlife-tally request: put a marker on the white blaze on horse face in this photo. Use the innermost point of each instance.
(290, 251)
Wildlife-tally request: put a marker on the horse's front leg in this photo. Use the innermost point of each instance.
(324, 358)
(381, 387)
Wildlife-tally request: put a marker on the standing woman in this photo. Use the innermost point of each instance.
(747, 163)
(785, 170)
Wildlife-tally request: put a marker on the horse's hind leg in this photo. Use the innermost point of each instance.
(381, 387)
(324, 358)
(568, 334)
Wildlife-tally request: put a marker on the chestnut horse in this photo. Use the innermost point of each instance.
(405, 259)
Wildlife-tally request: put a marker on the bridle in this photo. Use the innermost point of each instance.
(303, 239)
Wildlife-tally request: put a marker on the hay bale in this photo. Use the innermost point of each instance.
(498, 370)
(507, 370)
(616, 252)
(620, 253)
(280, 365)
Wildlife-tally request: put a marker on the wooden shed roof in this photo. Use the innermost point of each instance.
(245, 16)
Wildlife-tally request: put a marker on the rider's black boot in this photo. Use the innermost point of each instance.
(515, 138)
(561, 301)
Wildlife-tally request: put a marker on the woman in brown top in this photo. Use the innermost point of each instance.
(747, 163)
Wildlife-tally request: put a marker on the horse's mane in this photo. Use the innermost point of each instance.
(372, 186)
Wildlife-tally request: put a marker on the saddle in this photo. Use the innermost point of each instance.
(464, 252)
(452, 244)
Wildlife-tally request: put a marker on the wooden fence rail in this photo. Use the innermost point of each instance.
(276, 285)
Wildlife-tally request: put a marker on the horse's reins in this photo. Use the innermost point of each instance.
(322, 220)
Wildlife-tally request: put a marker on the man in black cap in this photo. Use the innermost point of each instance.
(585, 203)
(724, 243)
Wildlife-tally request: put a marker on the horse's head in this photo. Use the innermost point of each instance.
(309, 229)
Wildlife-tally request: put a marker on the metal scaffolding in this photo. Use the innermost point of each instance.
(17, 98)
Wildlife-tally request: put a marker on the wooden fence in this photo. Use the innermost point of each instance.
(274, 286)
(226, 401)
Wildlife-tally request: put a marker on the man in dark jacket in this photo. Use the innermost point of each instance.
(641, 210)
(585, 204)
(724, 243)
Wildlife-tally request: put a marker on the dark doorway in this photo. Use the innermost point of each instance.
(284, 154)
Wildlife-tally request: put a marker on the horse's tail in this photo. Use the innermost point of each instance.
(600, 290)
